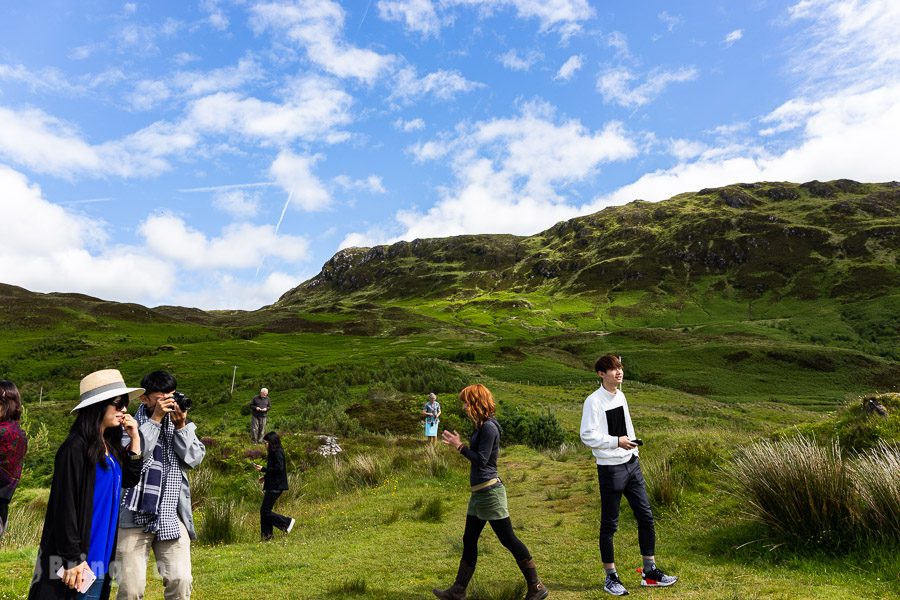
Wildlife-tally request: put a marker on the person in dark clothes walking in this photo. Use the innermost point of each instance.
(90, 470)
(275, 483)
(487, 504)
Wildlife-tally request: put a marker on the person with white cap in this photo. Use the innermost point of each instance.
(92, 466)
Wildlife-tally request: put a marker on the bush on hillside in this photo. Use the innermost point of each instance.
(541, 431)
(856, 430)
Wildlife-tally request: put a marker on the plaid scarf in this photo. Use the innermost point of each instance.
(154, 500)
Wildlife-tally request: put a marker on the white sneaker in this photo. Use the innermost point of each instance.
(290, 526)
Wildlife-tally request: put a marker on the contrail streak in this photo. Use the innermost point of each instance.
(277, 227)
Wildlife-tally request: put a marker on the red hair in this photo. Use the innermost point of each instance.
(478, 402)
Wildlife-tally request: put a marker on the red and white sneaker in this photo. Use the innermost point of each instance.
(656, 578)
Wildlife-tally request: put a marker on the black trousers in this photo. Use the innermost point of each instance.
(506, 535)
(268, 518)
(616, 481)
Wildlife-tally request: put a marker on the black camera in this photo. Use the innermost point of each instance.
(183, 402)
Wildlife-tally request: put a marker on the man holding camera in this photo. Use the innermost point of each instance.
(157, 512)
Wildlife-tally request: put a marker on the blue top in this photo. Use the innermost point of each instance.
(107, 492)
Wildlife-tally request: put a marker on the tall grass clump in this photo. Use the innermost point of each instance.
(801, 490)
(24, 528)
(201, 480)
(433, 512)
(361, 470)
(349, 586)
(876, 475)
(664, 483)
(220, 523)
(436, 461)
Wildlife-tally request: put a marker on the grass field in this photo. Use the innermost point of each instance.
(379, 538)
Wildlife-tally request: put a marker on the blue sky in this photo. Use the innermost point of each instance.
(216, 153)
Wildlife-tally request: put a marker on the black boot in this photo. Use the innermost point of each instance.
(457, 591)
(536, 589)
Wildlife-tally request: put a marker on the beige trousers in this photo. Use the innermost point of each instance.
(173, 561)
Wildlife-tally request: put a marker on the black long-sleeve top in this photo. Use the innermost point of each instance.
(67, 527)
(275, 472)
(482, 451)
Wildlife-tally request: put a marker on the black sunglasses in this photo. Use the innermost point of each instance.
(120, 403)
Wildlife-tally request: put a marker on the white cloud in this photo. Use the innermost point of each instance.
(53, 249)
(733, 37)
(419, 16)
(564, 16)
(371, 184)
(214, 14)
(443, 85)
(511, 60)
(148, 94)
(313, 109)
(686, 149)
(410, 125)
(246, 71)
(317, 26)
(294, 174)
(237, 202)
(616, 85)
(240, 246)
(568, 69)
(511, 174)
(618, 41)
(848, 44)
(671, 21)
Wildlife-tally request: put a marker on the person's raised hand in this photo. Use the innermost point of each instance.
(451, 438)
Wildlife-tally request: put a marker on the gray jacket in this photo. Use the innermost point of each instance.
(190, 452)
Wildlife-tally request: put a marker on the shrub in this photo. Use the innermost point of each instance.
(876, 476)
(516, 425)
(664, 484)
(546, 432)
(797, 488)
(220, 522)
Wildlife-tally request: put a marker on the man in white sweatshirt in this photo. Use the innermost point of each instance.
(606, 428)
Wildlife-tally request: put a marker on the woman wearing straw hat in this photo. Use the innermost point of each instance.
(488, 500)
(91, 468)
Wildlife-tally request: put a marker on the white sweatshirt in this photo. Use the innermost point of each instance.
(604, 418)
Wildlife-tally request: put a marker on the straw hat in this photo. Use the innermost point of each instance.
(103, 385)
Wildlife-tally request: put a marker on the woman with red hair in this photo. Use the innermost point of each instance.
(487, 504)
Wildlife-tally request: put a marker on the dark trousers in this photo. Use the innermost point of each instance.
(506, 535)
(268, 518)
(4, 515)
(627, 479)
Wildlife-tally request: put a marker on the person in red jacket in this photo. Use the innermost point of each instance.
(13, 445)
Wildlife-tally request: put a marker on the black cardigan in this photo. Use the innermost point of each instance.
(276, 472)
(67, 526)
